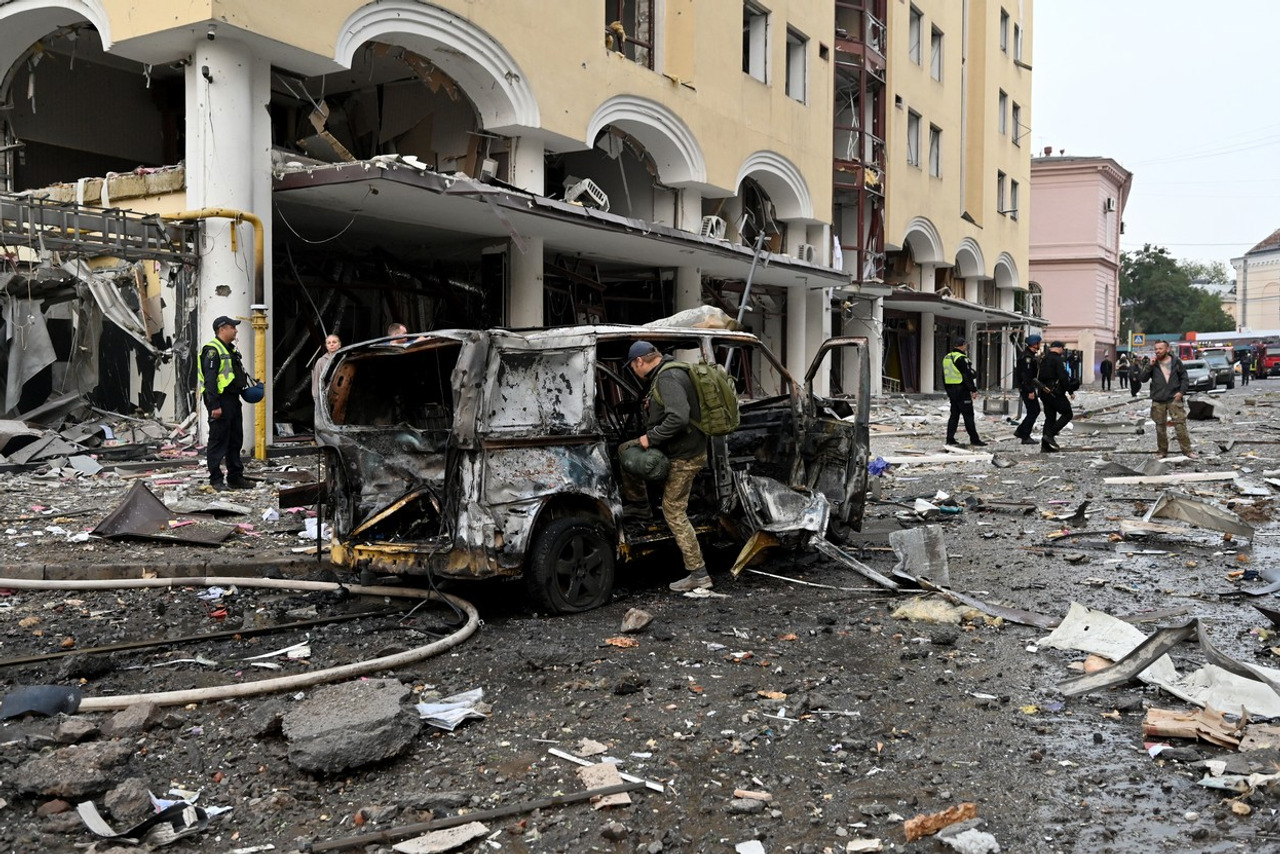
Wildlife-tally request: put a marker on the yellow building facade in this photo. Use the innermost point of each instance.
(957, 207)
(521, 164)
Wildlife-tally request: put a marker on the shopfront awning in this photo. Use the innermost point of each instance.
(389, 204)
(950, 307)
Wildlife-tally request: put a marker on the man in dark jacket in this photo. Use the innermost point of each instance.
(1025, 373)
(1105, 370)
(1055, 394)
(222, 378)
(1169, 387)
(1246, 366)
(962, 390)
(670, 410)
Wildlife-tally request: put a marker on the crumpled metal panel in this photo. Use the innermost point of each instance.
(777, 508)
(143, 515)
(540, 393)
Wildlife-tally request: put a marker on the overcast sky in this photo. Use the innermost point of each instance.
(1184, 95)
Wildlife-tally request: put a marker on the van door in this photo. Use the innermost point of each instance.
(836, 441)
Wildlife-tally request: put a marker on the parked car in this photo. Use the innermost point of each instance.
(482, 453)
(1222, 370)
(1199, 375)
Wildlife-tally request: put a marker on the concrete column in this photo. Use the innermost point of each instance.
(524, 305)
(689, 210)
(818, 323)
(867, 320)
(927, 356)
(528, 165)
(688, 288)
(227, 167)
(797, 307)
(927, 278)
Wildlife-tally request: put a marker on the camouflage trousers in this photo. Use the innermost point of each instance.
(1174, 412)
(675, 505)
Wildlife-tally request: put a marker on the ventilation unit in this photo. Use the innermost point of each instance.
(713, 227)
(1109, 205)
(807, 253)
(587, 194)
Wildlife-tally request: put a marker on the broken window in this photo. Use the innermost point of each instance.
(915, 25)
(1013, 199)
(935, 151)
(628, 29)
(540, 393)
(1000, 186)
(913, 138)
(797, 64)
(935, 54)
(1004, 31)
(755, 41)
(1002, 113)
(394, 387)
(1017, 125)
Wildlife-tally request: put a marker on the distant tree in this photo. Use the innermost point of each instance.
(1157, 296)
(1214, 272)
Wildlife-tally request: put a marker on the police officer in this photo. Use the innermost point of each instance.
(222, 378)
(962, 391)
(1056, 394)
(1025, 374)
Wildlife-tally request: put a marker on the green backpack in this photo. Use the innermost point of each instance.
(717, 397)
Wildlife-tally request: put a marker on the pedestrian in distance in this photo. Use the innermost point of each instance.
(962, 390)
(1136, 368)
(1169, 388)
(1246, 367)
(1054, 383)
(222, 378)
(1105, 370)
(671, 412)
(332, 344)
(1025, 374)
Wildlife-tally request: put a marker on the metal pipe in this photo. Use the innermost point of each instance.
(259, 307)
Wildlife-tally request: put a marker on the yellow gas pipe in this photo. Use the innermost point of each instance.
(259, 307)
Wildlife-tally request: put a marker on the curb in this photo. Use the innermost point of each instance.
(84, 571)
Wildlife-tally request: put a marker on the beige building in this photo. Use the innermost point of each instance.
(957, 211)
(1257, 292)
(457, 162)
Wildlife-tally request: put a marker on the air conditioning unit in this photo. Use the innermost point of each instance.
(807, 253)
(1109, 205)
(713, 227)
(586, 193)
(488, 168)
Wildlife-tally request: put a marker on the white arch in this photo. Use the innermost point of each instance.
(24, 22)
(782, 181)
(969, 259)
(1007, 272)
(665, 136)
(925, 241)
(481, 66)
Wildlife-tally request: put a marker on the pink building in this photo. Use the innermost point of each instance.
(1075, 251)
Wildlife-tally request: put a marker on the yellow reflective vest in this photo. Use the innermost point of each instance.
(226, 366)
(950, 371)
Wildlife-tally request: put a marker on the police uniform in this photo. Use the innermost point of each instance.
(222, 378)
(1055, 387)
(1025, 373)
(961, 383)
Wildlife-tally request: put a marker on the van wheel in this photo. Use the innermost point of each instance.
(570, 567)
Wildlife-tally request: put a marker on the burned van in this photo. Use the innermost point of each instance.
(483, 453)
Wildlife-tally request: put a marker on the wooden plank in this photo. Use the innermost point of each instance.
(938, 458)
(1189, 477)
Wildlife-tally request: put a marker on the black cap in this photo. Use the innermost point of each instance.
(222, 320)
(960, 342)
(640, 348)
(1057, 344)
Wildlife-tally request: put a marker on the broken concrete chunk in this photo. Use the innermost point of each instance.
(636, 620)
(74, 729)
(73, 772)
(438, 841)
(130, 721)
(600, 776)
(349, 725)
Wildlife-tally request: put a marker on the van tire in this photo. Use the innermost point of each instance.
(570, 566)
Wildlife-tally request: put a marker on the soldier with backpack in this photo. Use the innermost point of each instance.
(672, 413)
